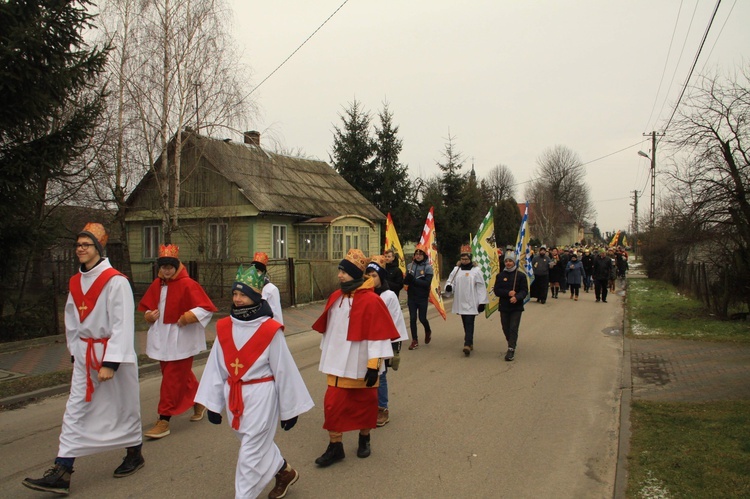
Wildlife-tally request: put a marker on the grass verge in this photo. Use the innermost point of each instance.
(689, 450)
(658, 310)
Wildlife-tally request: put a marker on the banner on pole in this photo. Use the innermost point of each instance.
(429, 239)
(392, 243)
(484, 249)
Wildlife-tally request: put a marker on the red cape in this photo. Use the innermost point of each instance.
(183, 294)
(369, 318)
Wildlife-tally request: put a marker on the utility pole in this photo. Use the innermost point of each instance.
(653, 175)
(635, 221)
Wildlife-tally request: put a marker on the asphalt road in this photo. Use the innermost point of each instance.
(545, 425)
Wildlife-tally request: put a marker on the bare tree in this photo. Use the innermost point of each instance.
(174, 68)
(500, 184)
(559, 192)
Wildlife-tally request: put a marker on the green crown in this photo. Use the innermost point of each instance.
(251, 277)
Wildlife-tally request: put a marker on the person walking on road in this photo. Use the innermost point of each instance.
(602, 272)
(252, 374)
(575, 275)
(378, 273)
(395, 276)
(419, 279)
(178, 311)
(469, 294)
(357, 331)
(103, 411)
(541, 264)
(511, 287)
(588, 268)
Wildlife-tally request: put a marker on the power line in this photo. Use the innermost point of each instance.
(708, 57)
(295, 50)
(666, 63)
(610, 154)
(695, 62)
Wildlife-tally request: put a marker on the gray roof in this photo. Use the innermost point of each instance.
(279, 184)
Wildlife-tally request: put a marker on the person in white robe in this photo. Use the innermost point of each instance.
(469, 294)
(103, 408)
(272, 388)
(270, 291)
(378, 272)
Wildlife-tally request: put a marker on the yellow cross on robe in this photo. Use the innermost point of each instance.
(237, 366)
(83, 307)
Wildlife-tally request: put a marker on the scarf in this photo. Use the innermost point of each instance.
(251, 312)
(349, 286)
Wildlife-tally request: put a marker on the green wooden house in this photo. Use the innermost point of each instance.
(236, 199)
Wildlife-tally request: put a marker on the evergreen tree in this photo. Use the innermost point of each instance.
(353, 151)
(48, 110)
(450, 223)
(394, 194)
(507, 222)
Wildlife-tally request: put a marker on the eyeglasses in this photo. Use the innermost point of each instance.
(83, 246)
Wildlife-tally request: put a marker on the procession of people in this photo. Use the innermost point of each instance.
(250, 375)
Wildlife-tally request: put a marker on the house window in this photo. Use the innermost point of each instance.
(279, 241)
(150, 242)
(313, 243)
(218, 242)
(348, 237)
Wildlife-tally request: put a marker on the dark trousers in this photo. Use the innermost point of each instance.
(510, 322)
(541, 286)
(417, 308)
(468, 321)
(601, 288)
(574, 289)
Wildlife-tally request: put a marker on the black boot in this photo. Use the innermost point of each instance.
(334, 452)
(364, 446)
(55, 479)
(133, 462)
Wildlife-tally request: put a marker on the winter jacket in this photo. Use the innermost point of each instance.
(394, 277)
(602, 267)
(574, 272)
(419, 279)
(505, 282)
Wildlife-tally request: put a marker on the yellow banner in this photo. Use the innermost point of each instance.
(392, 243)
(429, 240)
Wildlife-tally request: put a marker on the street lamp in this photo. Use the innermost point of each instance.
(641, 153)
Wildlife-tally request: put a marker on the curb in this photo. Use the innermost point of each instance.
(626, 398)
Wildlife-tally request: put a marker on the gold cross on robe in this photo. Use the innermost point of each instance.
(237, 366)
(83, 307)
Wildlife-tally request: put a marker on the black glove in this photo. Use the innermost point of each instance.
(214, 417)
(72, 360)
(480, 308)
(371, 377)
(409, 278)
(288, 424)
(449, 289)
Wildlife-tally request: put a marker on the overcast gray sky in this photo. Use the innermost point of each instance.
(507, 79)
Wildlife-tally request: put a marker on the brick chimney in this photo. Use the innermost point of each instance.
(252, 137)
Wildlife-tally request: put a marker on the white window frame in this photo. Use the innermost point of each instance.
(279, 242)
(218, 241)
(151, 243)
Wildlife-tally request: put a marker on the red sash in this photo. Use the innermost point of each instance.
(85, 302)
(92, 362)
(239, 361)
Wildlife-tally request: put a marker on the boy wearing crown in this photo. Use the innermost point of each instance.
(103, 411)
(469, 294)
(252, 374)
(178, 310)
(357, 333)
(270, 292)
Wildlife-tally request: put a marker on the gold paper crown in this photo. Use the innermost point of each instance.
(251, 277)
(465, 249)
(357, 258)
(421, 247)
(379, 259)
(169, 251)
(98, 231)
(260, 257)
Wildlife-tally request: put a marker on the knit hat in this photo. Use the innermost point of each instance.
(354, 263)
(260, 260)
(377, 264)
(249, 282)
(97, 233)
(169, 255)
